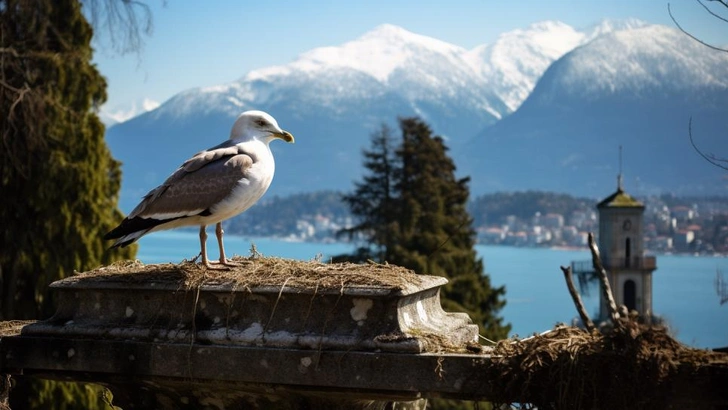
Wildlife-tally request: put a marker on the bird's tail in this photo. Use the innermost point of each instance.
(127, 240)
(129, 230)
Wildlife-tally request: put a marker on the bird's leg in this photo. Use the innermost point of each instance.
(219, 233)
(203, 247)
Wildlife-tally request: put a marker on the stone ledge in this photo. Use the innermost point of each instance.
(319, 306)
(269, 334)
(176, 367)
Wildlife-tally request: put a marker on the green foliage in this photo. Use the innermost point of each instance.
(449, 404)
(59, 184)
(58, 395)
(411, 212)
(373, 200)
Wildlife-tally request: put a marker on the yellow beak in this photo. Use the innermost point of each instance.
(286, 136)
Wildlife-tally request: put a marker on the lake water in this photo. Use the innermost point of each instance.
(684, 293)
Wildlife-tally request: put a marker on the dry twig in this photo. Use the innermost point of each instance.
(577, 299)
(604, 279)
(669, 11)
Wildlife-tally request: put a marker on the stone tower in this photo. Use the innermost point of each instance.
(621, 244)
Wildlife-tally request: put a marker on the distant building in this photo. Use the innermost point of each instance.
(539, 235)
(512, 223)
(683, 239)
(662, 243)
(491, 235)
(621, 246)
(552, 221)
(581, 240)
(682, 213)
(582, 219)
(519, 238)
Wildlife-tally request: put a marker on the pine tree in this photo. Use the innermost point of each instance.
(420, 221)
(59, 184)
(373, 202)
(436, 231)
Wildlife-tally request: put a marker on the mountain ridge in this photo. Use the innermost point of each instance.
(336, 101)
(637, 89)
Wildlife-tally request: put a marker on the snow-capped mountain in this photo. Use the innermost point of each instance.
(492, 79)
(649, 59)
(636, 88)
(607, 26)
(515, 61)
(118, 114)
(422, 74)
(333, 98)
(512, 65)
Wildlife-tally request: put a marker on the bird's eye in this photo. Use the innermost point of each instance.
(260, 123)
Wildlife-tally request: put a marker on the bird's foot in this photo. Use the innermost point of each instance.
(215, 265)
(226, 262)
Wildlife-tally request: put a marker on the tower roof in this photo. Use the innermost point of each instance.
(620, 199)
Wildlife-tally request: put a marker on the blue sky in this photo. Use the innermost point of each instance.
(206, 43)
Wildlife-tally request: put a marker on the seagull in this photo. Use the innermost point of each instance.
(212, 186)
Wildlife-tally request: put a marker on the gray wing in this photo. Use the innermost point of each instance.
(201, 182)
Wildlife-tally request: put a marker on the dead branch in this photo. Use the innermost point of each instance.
(124, 23)
(712, 13)
(577, 299)
(669, 11)
(604, 279)
(710, 158)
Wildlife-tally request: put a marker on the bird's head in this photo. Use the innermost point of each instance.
(258, 125)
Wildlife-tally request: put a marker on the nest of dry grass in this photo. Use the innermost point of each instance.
(12, 327)
(631, 366)
(258, 271)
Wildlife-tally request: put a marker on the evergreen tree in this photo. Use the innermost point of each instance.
(59, 184)
(373, 202)
(436, 234)
(420, 221)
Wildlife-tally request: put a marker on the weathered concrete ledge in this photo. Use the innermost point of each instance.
(402, 316)
(272, 333)
(196, 373)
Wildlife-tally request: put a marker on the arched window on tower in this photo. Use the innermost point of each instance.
(627, 252)
(630, 294)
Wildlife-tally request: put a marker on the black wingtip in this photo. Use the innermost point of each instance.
(136, 224)
(123, 244)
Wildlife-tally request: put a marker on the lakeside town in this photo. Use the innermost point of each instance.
(700, 228)
(672, 224)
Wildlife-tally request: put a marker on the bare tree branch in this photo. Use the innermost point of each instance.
(669, 11)
(577, 299)
(723, 2)
(712, 13)
(710, 158)
(602, 273)
(124, 21)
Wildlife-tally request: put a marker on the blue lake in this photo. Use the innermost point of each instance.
(684, 293)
